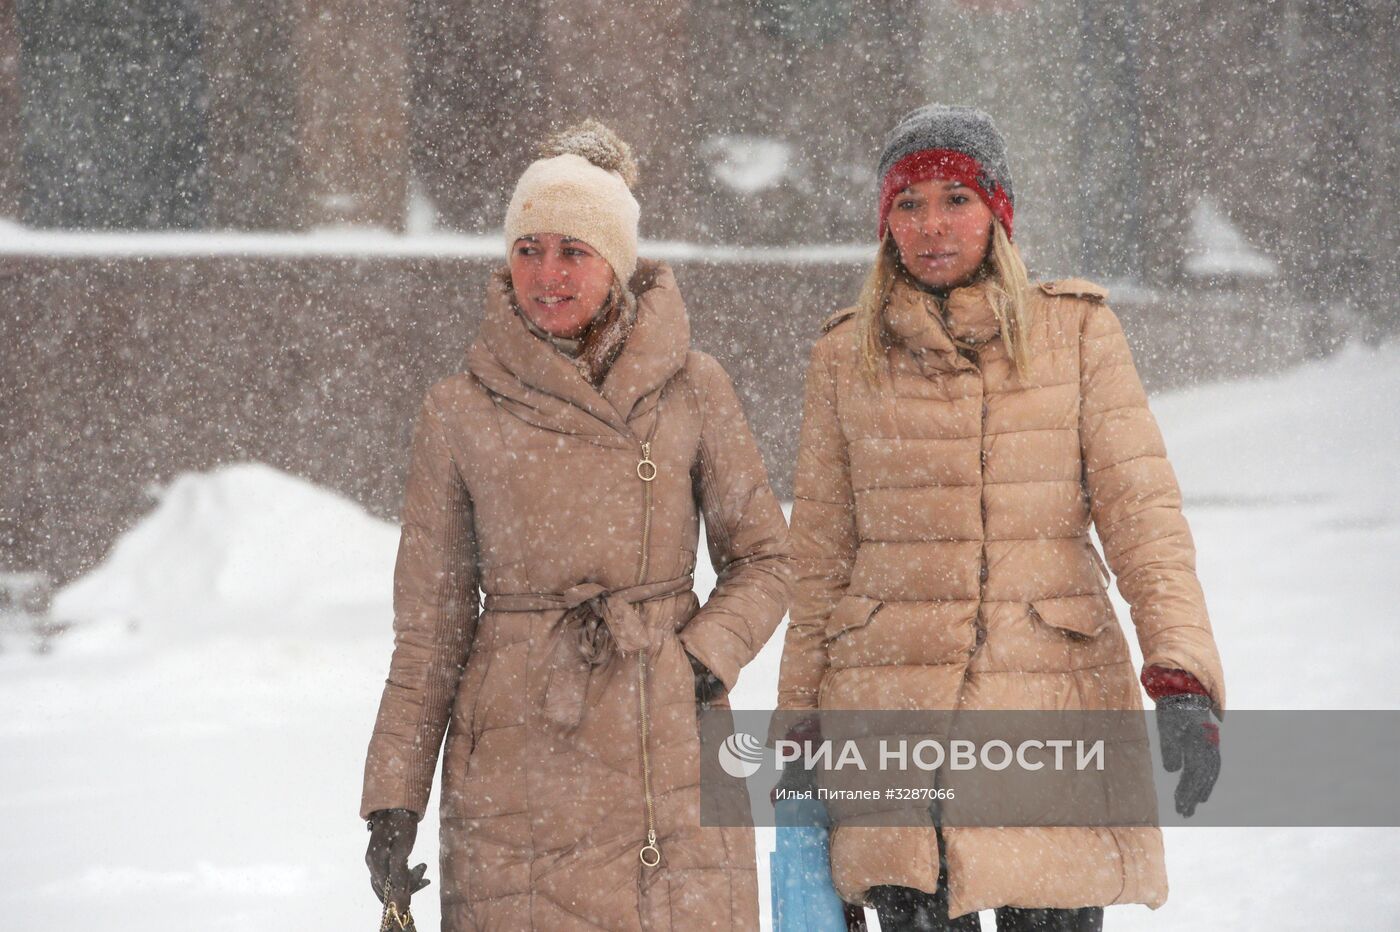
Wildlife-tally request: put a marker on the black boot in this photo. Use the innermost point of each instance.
(1016, 919)
(904, 909)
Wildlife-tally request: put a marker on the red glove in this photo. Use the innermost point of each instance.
(1161, 681)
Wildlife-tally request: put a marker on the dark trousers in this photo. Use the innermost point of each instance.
(904, 909)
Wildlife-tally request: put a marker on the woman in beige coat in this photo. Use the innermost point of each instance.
(564, 473)
(962, 428)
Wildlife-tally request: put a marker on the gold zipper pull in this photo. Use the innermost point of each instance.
(651, 854)
(646, 469)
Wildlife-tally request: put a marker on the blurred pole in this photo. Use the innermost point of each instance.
(1132, 252)
(1386, 88)
(254, 163)
(11, 97)
(1021, 63)
(351, 61)
(1346, 231)
(630, 65)
(1110, 139)
(1380, 140)
(490, 83)
(479, 109)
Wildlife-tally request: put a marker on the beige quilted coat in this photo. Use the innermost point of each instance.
(941, 529)
(571, 742)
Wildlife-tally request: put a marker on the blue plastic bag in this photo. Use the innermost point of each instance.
(804, 898)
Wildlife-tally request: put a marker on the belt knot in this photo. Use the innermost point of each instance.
(597, 625)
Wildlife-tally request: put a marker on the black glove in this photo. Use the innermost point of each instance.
(1191, 744)
(708, 687)
(391, 836)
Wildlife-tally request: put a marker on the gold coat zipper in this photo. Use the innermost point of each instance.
(650, 853)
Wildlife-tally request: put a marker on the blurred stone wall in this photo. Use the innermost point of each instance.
(121, 373)
(756, 123)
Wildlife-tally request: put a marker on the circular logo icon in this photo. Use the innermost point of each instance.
(741, 755)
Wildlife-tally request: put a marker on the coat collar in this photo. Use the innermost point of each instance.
(934, 330)
(516, 364)
(969, 316)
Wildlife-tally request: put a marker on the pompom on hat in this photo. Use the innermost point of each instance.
(581, 187)
(956, 143)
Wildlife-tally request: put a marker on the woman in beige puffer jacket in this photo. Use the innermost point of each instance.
(566, 479)
(961, 430)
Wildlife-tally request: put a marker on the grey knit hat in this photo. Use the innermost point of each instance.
(940, 141)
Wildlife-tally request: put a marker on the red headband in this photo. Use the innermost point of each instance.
(943, 163)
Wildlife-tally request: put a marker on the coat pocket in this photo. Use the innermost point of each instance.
(853, 611)
(1082, 617)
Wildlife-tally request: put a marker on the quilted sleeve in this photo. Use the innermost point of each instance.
(823, 533)
(435, 612)
(745, 530)
(1136, 506)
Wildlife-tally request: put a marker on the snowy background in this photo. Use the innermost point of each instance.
(192, 192)
(189, 754)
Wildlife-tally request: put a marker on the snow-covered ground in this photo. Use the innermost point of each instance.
(189, 757)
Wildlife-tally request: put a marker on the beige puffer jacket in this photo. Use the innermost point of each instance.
(941, 529)
(571, 737)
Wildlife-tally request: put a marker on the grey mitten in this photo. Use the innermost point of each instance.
(1190, 744)
(391, 836)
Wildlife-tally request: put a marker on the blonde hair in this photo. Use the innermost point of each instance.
(1008, 283)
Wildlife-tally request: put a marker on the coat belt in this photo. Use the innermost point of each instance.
(598, 624)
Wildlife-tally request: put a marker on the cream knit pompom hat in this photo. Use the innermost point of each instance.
(581, 187)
